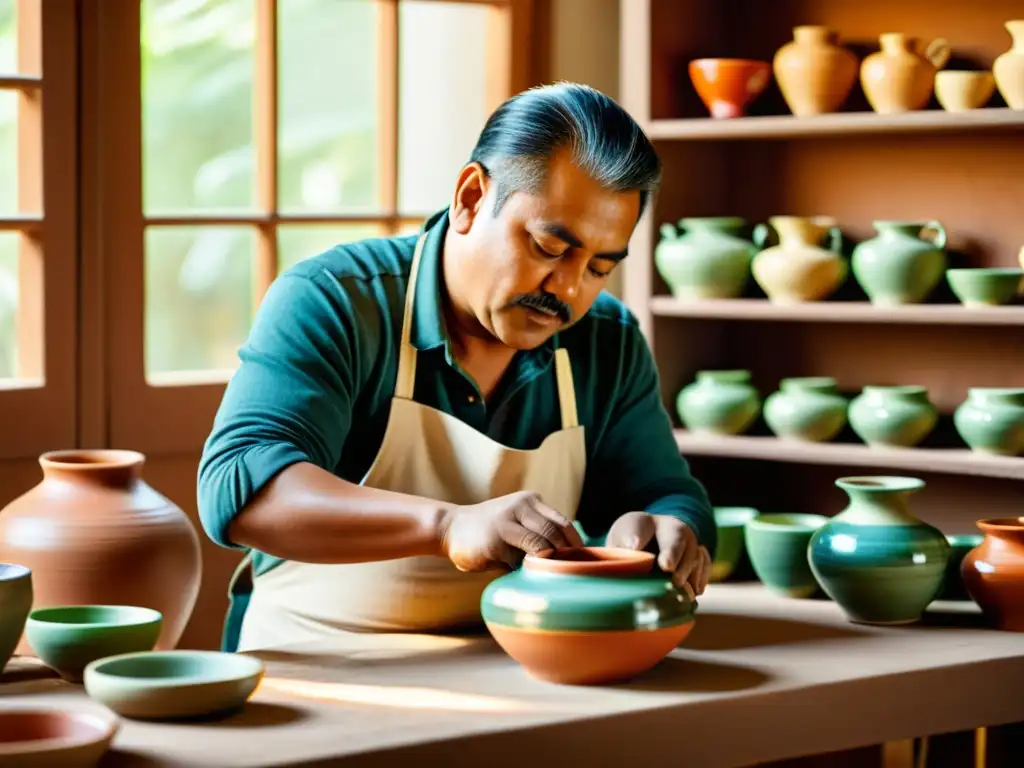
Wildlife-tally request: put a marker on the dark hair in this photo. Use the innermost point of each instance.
(520, 137)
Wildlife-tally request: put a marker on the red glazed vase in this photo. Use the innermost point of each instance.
(993, 572)
(93, 532)
(727, 86)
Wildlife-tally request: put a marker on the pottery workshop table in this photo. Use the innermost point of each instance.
(760, 678)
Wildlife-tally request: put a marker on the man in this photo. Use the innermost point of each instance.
(413, 414)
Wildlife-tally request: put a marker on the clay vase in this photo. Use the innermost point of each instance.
(991, 420)
(814, 73)
(719, 403)
(898, 266)
(705, 258)
(898, 78)
(806, 409)
(587, 616)
(727, 86)
(798, 269)
(94, 533)
(993, 572)
(1008, 68)
(892, 416)
(877, 561)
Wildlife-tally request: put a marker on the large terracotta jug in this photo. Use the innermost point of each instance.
(798, 269)
(898, 78)
(993, 572)
(1008, 69)
(93, 531)
(814, 72)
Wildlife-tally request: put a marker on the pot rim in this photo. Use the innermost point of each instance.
(787, 521)
(610, 560)
(14, 572)
(120, 616)
(87, 459)
(879, 483)
(1015, 524)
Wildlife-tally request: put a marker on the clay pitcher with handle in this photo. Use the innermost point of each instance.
(899, 78)
(798, 269)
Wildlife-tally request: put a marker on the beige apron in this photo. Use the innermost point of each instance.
(426, 453)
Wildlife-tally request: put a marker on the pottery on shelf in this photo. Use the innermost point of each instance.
(777, 548)
(799, 269)
(815, 74)
(705, 258)
(15, 604)
(587, 616)
(962, 91)
(727, 86)
(899, 78)
(892, 415)
(899, 266)
(953, 584)
(719, 402)
(1008, 68)
(93, 532)
(986, 286)
(47, 737)
(991, 420)
(807, 409)
(876, 560)
(993, 572)
(730, 523)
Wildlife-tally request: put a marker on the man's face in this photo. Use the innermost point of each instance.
(538, 265)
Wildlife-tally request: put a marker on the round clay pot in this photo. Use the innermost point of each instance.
(991, 420)
(1008, 68)
(719, 402)
(704, 258)
(94, 533)
(900, 416)
(898, 266)
(993, 572)
(806, 409)
(727, 86)
(898, 78)
(587, 616)
(814, 73)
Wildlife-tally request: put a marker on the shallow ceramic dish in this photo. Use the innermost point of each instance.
(985, 287)
(15, 604)
(730, 522)
(53, 738)
(68, 637)
(166, 685)
(592, 615)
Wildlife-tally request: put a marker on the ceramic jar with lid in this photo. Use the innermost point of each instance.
(898, 265)
(705, 258)
(815, 74)
(808, 409)
(991, 420)
(719, 402)
(899, 77)
(897, 415)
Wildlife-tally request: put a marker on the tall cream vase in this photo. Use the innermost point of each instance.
(1009, 67)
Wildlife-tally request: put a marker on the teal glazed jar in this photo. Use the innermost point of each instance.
(897, 416)
(807, 409)
(898, 266)
(719, 402)
(877, 561)
(705, 258)
(991, 420)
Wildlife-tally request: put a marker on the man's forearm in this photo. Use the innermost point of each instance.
(308, 514)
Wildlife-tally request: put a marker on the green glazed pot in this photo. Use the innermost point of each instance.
(808, 409)
(16, 597)
(777, 548)
(991, 420)
(705, 258)
(893, 415)
(719, 402)
(730, 523)
(953, 584)
(898, 266)
(875, 559)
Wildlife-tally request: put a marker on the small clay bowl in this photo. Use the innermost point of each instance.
(730, 523)
(68, 637)
(728, 86)
(985, 287)
(38, 738)
(174, 685)
(15, 604)
(962, 91)
(777, 547)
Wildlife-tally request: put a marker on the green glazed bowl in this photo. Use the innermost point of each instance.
(69, 637)
(15, 604)
(986, 287)
(777, 547)
(730, 522)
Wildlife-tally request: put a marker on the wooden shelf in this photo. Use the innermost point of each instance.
(945, 460)
(837, 124)
(836, 311)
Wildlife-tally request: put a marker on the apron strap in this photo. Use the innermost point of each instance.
(566, 389)
(405, 383)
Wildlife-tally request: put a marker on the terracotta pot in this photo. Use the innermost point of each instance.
(814, 73)
(993, 572)
(727, 86)
(898, 78)
(94, 533)
(1008, 69)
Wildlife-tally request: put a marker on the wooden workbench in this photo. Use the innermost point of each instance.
(760, 678)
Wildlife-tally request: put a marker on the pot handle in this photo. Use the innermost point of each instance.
(668, 231)
(938, 52)
(761, 234)
(940, 233)
(835, 240)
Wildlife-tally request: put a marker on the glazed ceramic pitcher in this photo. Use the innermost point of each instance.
(798, 269)
(899, 266)
(899, 78)
(705, 258)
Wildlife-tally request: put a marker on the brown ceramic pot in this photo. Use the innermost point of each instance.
(93, 532)
(993, 572)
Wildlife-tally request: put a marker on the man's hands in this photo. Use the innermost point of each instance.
(476, 537)
(678, 551)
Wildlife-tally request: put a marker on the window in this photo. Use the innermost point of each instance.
(238, 139)
(37, 227)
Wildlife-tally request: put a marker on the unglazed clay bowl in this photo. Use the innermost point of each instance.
(174, 685)
(15, 604)
(961, 91)
(986, 287)
(730, 522)
(777, 548)
(68, 637)
(587, 616)
(53, 738)
(728, 86)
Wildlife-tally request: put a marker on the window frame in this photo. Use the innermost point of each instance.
(174, 415)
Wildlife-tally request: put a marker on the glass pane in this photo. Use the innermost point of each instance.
(197, 87)
(327, 106)
(199, 297)
(8, 37)
(8, 304)
(296, 242)
(443, 105)
(8, 152)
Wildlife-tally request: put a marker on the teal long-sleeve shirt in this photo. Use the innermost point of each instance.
(318, 372)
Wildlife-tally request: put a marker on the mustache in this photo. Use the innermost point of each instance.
(546, 302)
